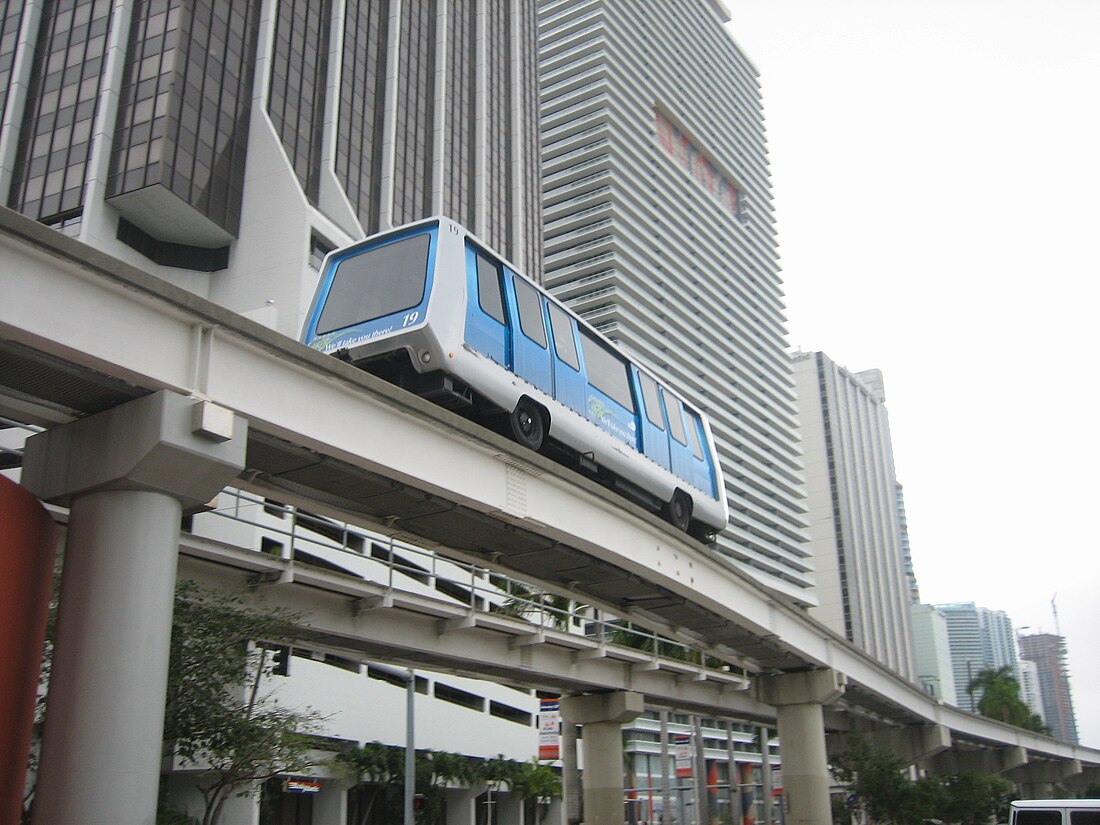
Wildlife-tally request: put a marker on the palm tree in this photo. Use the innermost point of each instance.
(1000, 699)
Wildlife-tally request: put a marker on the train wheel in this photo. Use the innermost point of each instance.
(678, 511)
(528, 424)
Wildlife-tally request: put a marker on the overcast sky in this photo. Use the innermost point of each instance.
(936, 170)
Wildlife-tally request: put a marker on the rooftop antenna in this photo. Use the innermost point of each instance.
(1054, 610)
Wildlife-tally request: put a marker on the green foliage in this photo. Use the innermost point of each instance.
(534, 605)
(1000, 699)
(381, 770)
(535, 780)
(975, 799)
(880, 783)
(214, 710)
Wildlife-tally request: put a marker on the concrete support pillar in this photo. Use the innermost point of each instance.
(126, 474)
(603, 716)
(570, 774)
(798, 699)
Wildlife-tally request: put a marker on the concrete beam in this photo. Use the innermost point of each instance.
(186, 448)
(818, 687)
(988, 760)
(913, 744)
(1047, 772)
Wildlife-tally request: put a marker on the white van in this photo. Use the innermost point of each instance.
(1055, 812)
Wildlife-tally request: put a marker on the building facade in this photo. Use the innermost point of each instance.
(855, 526)
(1048, 652)
(932, 653)
(659, 232)
(224, 145)
(980, 639)
(1030, 689)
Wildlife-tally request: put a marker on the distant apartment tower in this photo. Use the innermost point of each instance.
(221, 148)
(659, 231)
(1031, 691)
(980, 639)
(906, 550)
(932, 653)
(964, 633)
(1048, 652)
(852, 493)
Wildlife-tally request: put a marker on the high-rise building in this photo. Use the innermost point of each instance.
(1048, 652)
(906, 550)
(980, 639)
(855, 526)
(223, 147)
(1031, 690)
(659, 232)
(932, 652)
(968, 651)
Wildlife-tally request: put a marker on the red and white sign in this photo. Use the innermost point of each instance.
(301, 786)
(549, 725)
(682, 744)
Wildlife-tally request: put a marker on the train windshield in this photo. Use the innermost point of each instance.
(376, 282)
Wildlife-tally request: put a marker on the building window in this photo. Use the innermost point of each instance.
(56, 138)
(299, 74)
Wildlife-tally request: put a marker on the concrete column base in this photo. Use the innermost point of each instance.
(126, 475)
(603, 715)
(798, 699)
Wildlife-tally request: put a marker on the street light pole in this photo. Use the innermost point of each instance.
(410, 745)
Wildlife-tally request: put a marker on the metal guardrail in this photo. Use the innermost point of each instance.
(298, 536)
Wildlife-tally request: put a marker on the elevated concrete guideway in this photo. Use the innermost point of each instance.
(81, 333)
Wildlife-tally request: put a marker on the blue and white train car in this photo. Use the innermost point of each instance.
(432, 308)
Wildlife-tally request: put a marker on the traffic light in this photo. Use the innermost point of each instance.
(280, 660)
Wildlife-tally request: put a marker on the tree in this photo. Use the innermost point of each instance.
(1000, 699)
(381, 769)
(877, 780)
(879, 783)
(975, 799)
(538, 783)
(215, 712)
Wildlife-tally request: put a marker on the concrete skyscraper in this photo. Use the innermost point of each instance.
(980, 639)
(659, 231)
(855, 513)
(222, 145)
(932, 652)
(1048, 652)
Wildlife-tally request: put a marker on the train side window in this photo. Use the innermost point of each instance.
(695, 425)
(488, 289)
(607, 371)
(562, 330)
(675, 421)
(652, 401)
(530, 311)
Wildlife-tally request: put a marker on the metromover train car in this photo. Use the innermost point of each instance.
(431, 308)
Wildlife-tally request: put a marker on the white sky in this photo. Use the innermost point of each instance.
(936, 166)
